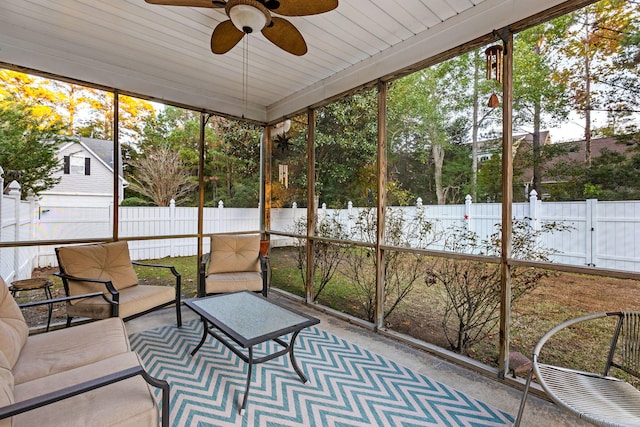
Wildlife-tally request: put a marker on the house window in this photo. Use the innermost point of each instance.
(77, 164)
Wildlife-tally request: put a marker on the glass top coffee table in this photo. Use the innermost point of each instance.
(250, 319)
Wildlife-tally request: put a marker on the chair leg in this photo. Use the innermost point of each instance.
(524, 399)
(178, 315)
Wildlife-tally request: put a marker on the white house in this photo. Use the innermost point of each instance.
(86, 179)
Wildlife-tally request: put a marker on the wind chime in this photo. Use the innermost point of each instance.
(494, 70)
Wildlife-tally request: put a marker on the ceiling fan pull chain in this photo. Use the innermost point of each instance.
(245, 74)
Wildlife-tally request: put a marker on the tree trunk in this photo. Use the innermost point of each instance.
(474, 132)
(537, 173)
(587, 94)
(437, 153)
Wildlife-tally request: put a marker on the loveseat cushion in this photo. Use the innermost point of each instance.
(233, 282)
(126, 403)
(66, 349)
(6, 387)
(231, 253)
(13, 328)
(133, 300)
(105, 261)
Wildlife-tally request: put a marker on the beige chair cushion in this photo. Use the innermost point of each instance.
(6, 387)
(233, 282)
(125, 403)
(65, 349)
(105, 261)
(232, 253)
(13, 328)
(133, 300)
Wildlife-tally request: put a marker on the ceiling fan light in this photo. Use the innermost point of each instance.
(247, 18)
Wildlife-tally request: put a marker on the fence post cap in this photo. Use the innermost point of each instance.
(14, 187)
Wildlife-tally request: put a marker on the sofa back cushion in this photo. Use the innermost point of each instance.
(6, 387)
(13, 328)
(105, 261)
(233, 253)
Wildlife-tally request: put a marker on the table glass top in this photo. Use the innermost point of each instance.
(249, 315)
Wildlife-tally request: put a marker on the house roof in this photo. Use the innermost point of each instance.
(99, 149)
(576, 153)
(163, 52)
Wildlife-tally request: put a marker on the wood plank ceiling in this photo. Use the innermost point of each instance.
(163, 52)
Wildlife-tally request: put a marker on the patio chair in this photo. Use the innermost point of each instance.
(107, 268)
(234, 264)
(598, 398)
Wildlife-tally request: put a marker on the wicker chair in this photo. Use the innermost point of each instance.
(600, 399)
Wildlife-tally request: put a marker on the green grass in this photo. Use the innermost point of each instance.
(186, 266)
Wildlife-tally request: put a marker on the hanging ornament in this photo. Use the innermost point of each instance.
(494, 62)
(494, 102)
(494, 70)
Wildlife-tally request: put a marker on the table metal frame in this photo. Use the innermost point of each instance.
(216, 326)
(35, 284)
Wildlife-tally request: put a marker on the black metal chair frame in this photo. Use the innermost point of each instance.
(114, 299)
(75, 390)
(202, 274)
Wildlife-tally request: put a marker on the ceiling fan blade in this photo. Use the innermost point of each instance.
(191, 3)
(225, 37)
(284, 35)
(303, 7)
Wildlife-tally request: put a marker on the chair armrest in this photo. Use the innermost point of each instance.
(75, 390)
(202, 274)
(170, 267)
(264, 269)
(107, 283)
(64, 299)
(173, 271)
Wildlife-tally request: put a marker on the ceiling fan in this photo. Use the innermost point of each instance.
(247, 16)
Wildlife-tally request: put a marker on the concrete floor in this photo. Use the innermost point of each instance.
(538, 412)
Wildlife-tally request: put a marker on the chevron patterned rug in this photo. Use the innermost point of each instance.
(348, 385)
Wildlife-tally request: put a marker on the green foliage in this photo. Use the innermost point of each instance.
(346, 146)
(471, 289)
(402, 270)
(28, 145)
(231, 154)
(327, 257)
(135, 201)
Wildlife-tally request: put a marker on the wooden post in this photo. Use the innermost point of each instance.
(381, 202)
(311, 201)
(203, 122)
(116, 165)
(265, 181)
(507, 199)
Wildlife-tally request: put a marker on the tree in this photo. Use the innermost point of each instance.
(345, 150)
(161, 176)
(594, 35)
(28, 146)
(539, 93)
(84, 111)
(133, 114)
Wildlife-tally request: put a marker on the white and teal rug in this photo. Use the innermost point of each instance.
(348, 386)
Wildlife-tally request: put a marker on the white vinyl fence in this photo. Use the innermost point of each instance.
(600, 234)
